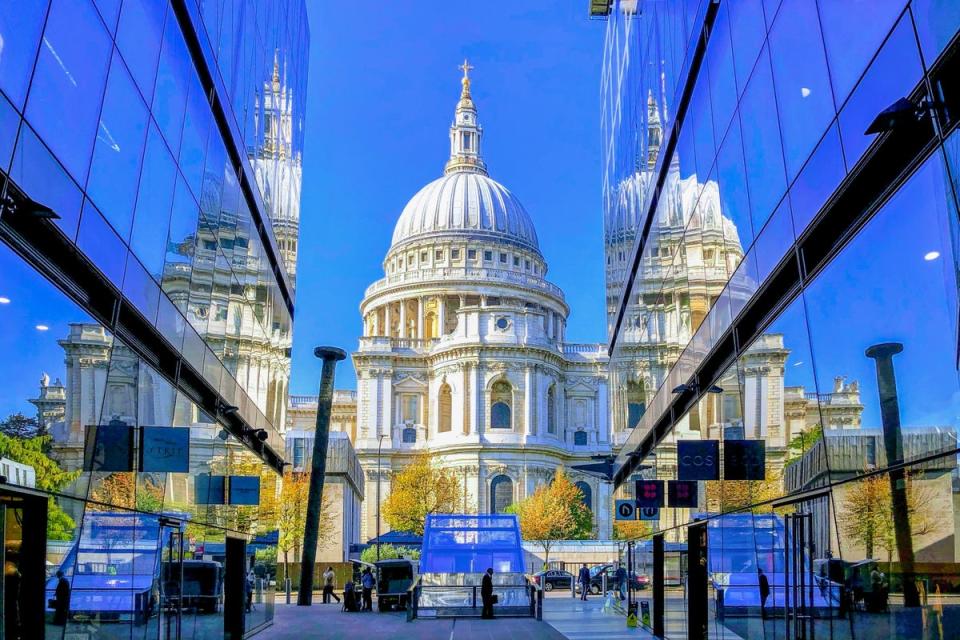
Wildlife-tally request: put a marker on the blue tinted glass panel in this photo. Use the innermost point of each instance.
(803, 85)
(44, 180)
(853, 31)
(115, 171)
(109, 11)
(138, 36)
(723, 85)
(772, 243)
(731, 178)
(101, 244)
(67, 87)
(747, 30)
(140, 289)
(761, 143)
(9, 124)
(892, 75)
(150, 224)
(937, 22)
(181, 246)
(170, 323)
(196, 128)
(818, 180)
(21, 23)
(170, 98)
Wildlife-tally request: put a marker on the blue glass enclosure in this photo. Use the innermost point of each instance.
(471, 544)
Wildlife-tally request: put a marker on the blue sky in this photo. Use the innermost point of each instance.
(382, 87)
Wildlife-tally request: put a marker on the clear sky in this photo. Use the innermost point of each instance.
(383, 85)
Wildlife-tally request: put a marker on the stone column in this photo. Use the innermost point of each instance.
(603, 413)
(468, 415)
(475, 398)
(420, 332)
(387, 320)
(403, 319)
(377, 330)
(528, 399)
(442, 317)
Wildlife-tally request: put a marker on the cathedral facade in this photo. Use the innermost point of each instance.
(464, 352)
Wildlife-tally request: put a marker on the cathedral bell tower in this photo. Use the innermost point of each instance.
(465, 132)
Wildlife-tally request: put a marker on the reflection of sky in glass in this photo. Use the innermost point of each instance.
(880, 289)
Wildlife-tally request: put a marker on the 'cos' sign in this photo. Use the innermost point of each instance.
(698, 459)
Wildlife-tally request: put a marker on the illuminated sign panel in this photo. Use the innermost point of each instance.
(682, 493)
(744, 460)
(649, 493)
(698, 459)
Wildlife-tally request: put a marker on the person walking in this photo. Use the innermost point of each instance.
(486, 594)
(368, 582)
(764, 592)
(61, 600)
(621, 576)
(329, 586)
(248, 586)
(584, 579)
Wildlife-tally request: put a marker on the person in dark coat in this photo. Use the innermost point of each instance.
(584, 579)
(368, 582)
(350, 596)
(764, 592)
(486, 593)
(621, 576)
(61, 600)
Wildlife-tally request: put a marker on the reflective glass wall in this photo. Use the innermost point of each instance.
(146, 150)
(788, 307)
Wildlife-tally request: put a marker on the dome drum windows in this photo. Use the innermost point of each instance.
(501, 405)
(501, 494)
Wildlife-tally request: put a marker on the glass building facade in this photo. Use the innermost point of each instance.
(782, 307)
(149, 208)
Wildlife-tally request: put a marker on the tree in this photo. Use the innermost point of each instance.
(49, 477)
(20, 426)
(120, 489)
(292, 516)
(631, 529)
(388, 552)
(731, 495)
(803, 442)
(554, 511)
(419, 489)
(867, 516)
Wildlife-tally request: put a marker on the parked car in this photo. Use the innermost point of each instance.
(596, 579)
(553, 579)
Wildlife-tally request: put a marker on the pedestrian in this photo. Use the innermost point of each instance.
(764, 592)
(368, 582)
(329, 586)
(622, 581)
(11, 601)
(249, 591)
(61, 603)
(486, 594)
(350, 596)
(584, 579)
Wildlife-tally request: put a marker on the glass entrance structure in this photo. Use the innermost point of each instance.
(781, 224)
(458, 550)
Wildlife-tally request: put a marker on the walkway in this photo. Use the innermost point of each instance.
(328, 622)
(579, 620)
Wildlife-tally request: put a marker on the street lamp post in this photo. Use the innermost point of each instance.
(379, 445)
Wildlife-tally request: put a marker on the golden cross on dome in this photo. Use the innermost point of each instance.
(466, 67)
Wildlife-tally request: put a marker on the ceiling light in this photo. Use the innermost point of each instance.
(4, 300)
(42, 327)
(931, 255)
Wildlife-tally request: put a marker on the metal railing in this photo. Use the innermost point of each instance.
(533, 591)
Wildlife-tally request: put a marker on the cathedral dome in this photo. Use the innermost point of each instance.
(466, 202)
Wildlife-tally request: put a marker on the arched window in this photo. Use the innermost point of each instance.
(580, 437)
(552, 409)
(445, 412)
(501, 398)
(501, 494)
(586, 493)
(636, 403)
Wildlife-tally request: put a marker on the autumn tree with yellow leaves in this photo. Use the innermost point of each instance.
(419, 489)
(554, 511)
(292, 516)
